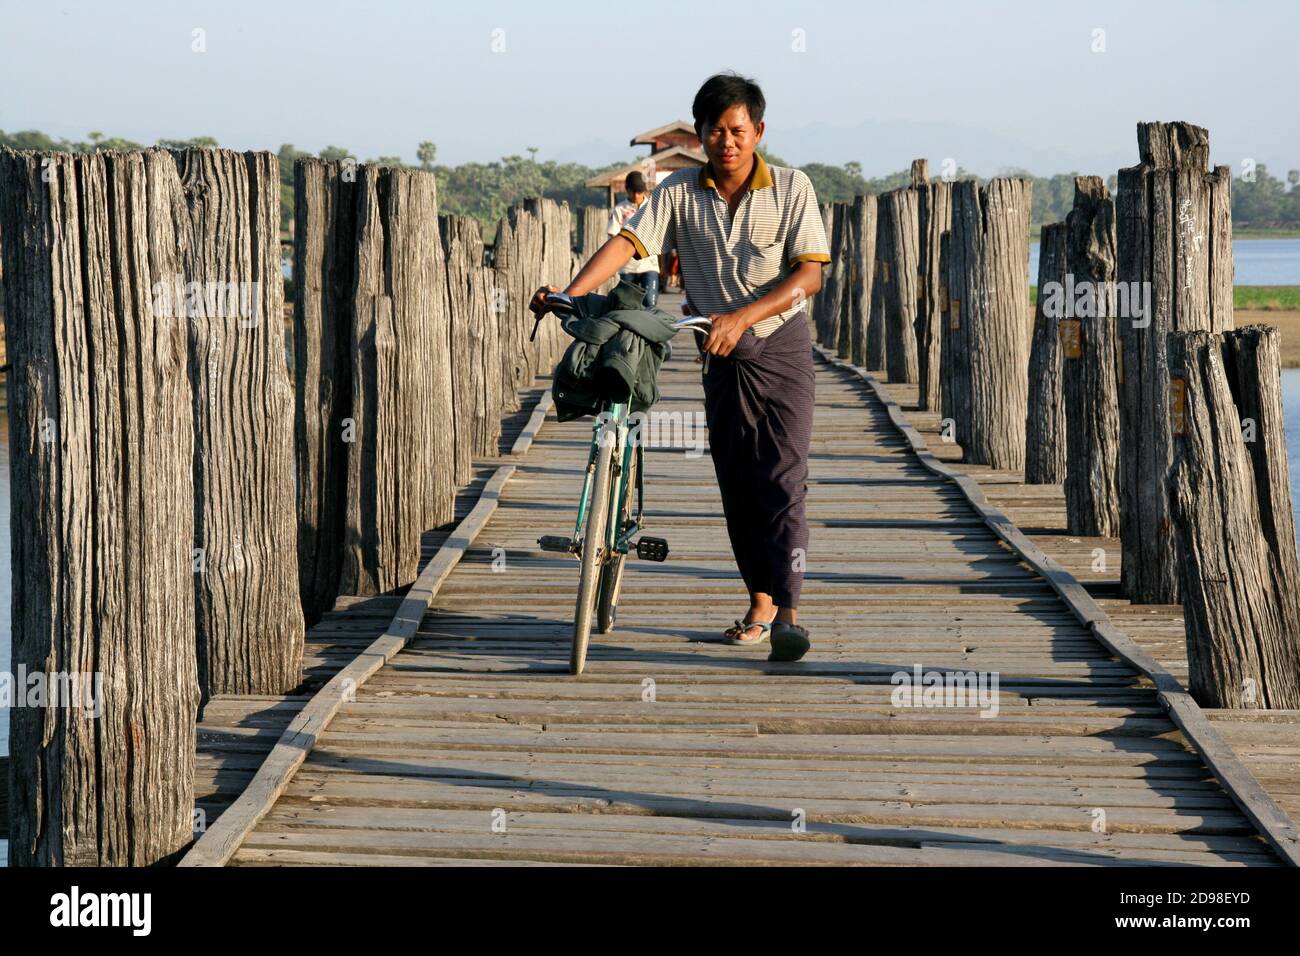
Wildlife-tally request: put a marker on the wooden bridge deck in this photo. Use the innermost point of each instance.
(1266, 741)
(474, 745)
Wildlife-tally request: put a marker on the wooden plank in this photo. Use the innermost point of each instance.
(478, 713)
(1260, 808)
(216, 846)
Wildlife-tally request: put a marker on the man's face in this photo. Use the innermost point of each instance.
(729, 143)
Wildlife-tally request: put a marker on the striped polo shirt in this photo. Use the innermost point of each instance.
(728, 262)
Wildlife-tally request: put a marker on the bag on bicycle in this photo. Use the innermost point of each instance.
(618, 346)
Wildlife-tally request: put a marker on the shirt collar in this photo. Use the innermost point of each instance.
(761, 179)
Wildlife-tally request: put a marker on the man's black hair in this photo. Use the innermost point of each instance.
(722, 91)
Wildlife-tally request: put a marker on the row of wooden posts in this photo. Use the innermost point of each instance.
(161, 450)
(182, 506)
(1130, 386)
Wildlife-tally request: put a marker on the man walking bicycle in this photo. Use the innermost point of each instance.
(751, 245)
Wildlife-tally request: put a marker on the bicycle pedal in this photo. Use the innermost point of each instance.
(651, 549)
(553, 542)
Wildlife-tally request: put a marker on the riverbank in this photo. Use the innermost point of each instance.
(1288, 322)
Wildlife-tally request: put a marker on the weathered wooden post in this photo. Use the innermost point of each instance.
(1254, 375)
(876, 338)
(934, 219)
(539, 268)
(822, 299)
(954, 362)
(516, 257)
(401, 467)
(846, 273)
(1243, 647)
(862, 221)
(830, 300)
(249, 615)
(1253, 361)
(988, 293)
(1090, 350)
(1045, 451)
(841, 276)
(557, 270)
(324, 271)
(817, 307)
(593, 225)
(897, 246)
(102, 446)
(1174, 236)
(475, 369)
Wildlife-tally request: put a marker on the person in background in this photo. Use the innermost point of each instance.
(642, 272)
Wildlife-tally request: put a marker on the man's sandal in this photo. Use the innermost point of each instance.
(736, 635)
(789, 643)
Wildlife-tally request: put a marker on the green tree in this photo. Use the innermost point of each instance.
(426, 153)
(194, 143)
(287, 155)
(31, 139)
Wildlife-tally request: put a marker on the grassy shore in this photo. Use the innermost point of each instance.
(1277, 305)
(1241, 233)
(1254, 298)
(1287, 322)
(1238, 232)
(1270, 298)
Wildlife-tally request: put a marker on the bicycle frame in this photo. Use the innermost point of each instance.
(619, 519)
(617, 538)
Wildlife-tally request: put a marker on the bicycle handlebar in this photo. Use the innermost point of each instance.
(696, 323)
(563, 304)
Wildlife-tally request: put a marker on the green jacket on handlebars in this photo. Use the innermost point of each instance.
(618, 346)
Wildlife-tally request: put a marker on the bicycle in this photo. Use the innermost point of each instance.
(607, 518)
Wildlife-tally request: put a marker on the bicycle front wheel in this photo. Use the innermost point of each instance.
(593, 552)
(611, 577)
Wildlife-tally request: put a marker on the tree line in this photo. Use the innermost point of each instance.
(486, 190)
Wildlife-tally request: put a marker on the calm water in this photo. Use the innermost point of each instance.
(1291, 410)
(1258, 262)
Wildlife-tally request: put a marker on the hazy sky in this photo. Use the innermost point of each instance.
(1016, 79)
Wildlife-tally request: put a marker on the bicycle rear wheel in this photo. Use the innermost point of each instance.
(611, 576)
(593, 551)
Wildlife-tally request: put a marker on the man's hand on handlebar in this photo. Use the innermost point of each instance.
(539, 306)
(726, 332)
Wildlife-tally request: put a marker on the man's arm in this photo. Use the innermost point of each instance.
(608, 260)
(805, 279)
(616, 252)
(644, 234)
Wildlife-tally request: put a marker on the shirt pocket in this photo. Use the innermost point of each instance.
(760, 265)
